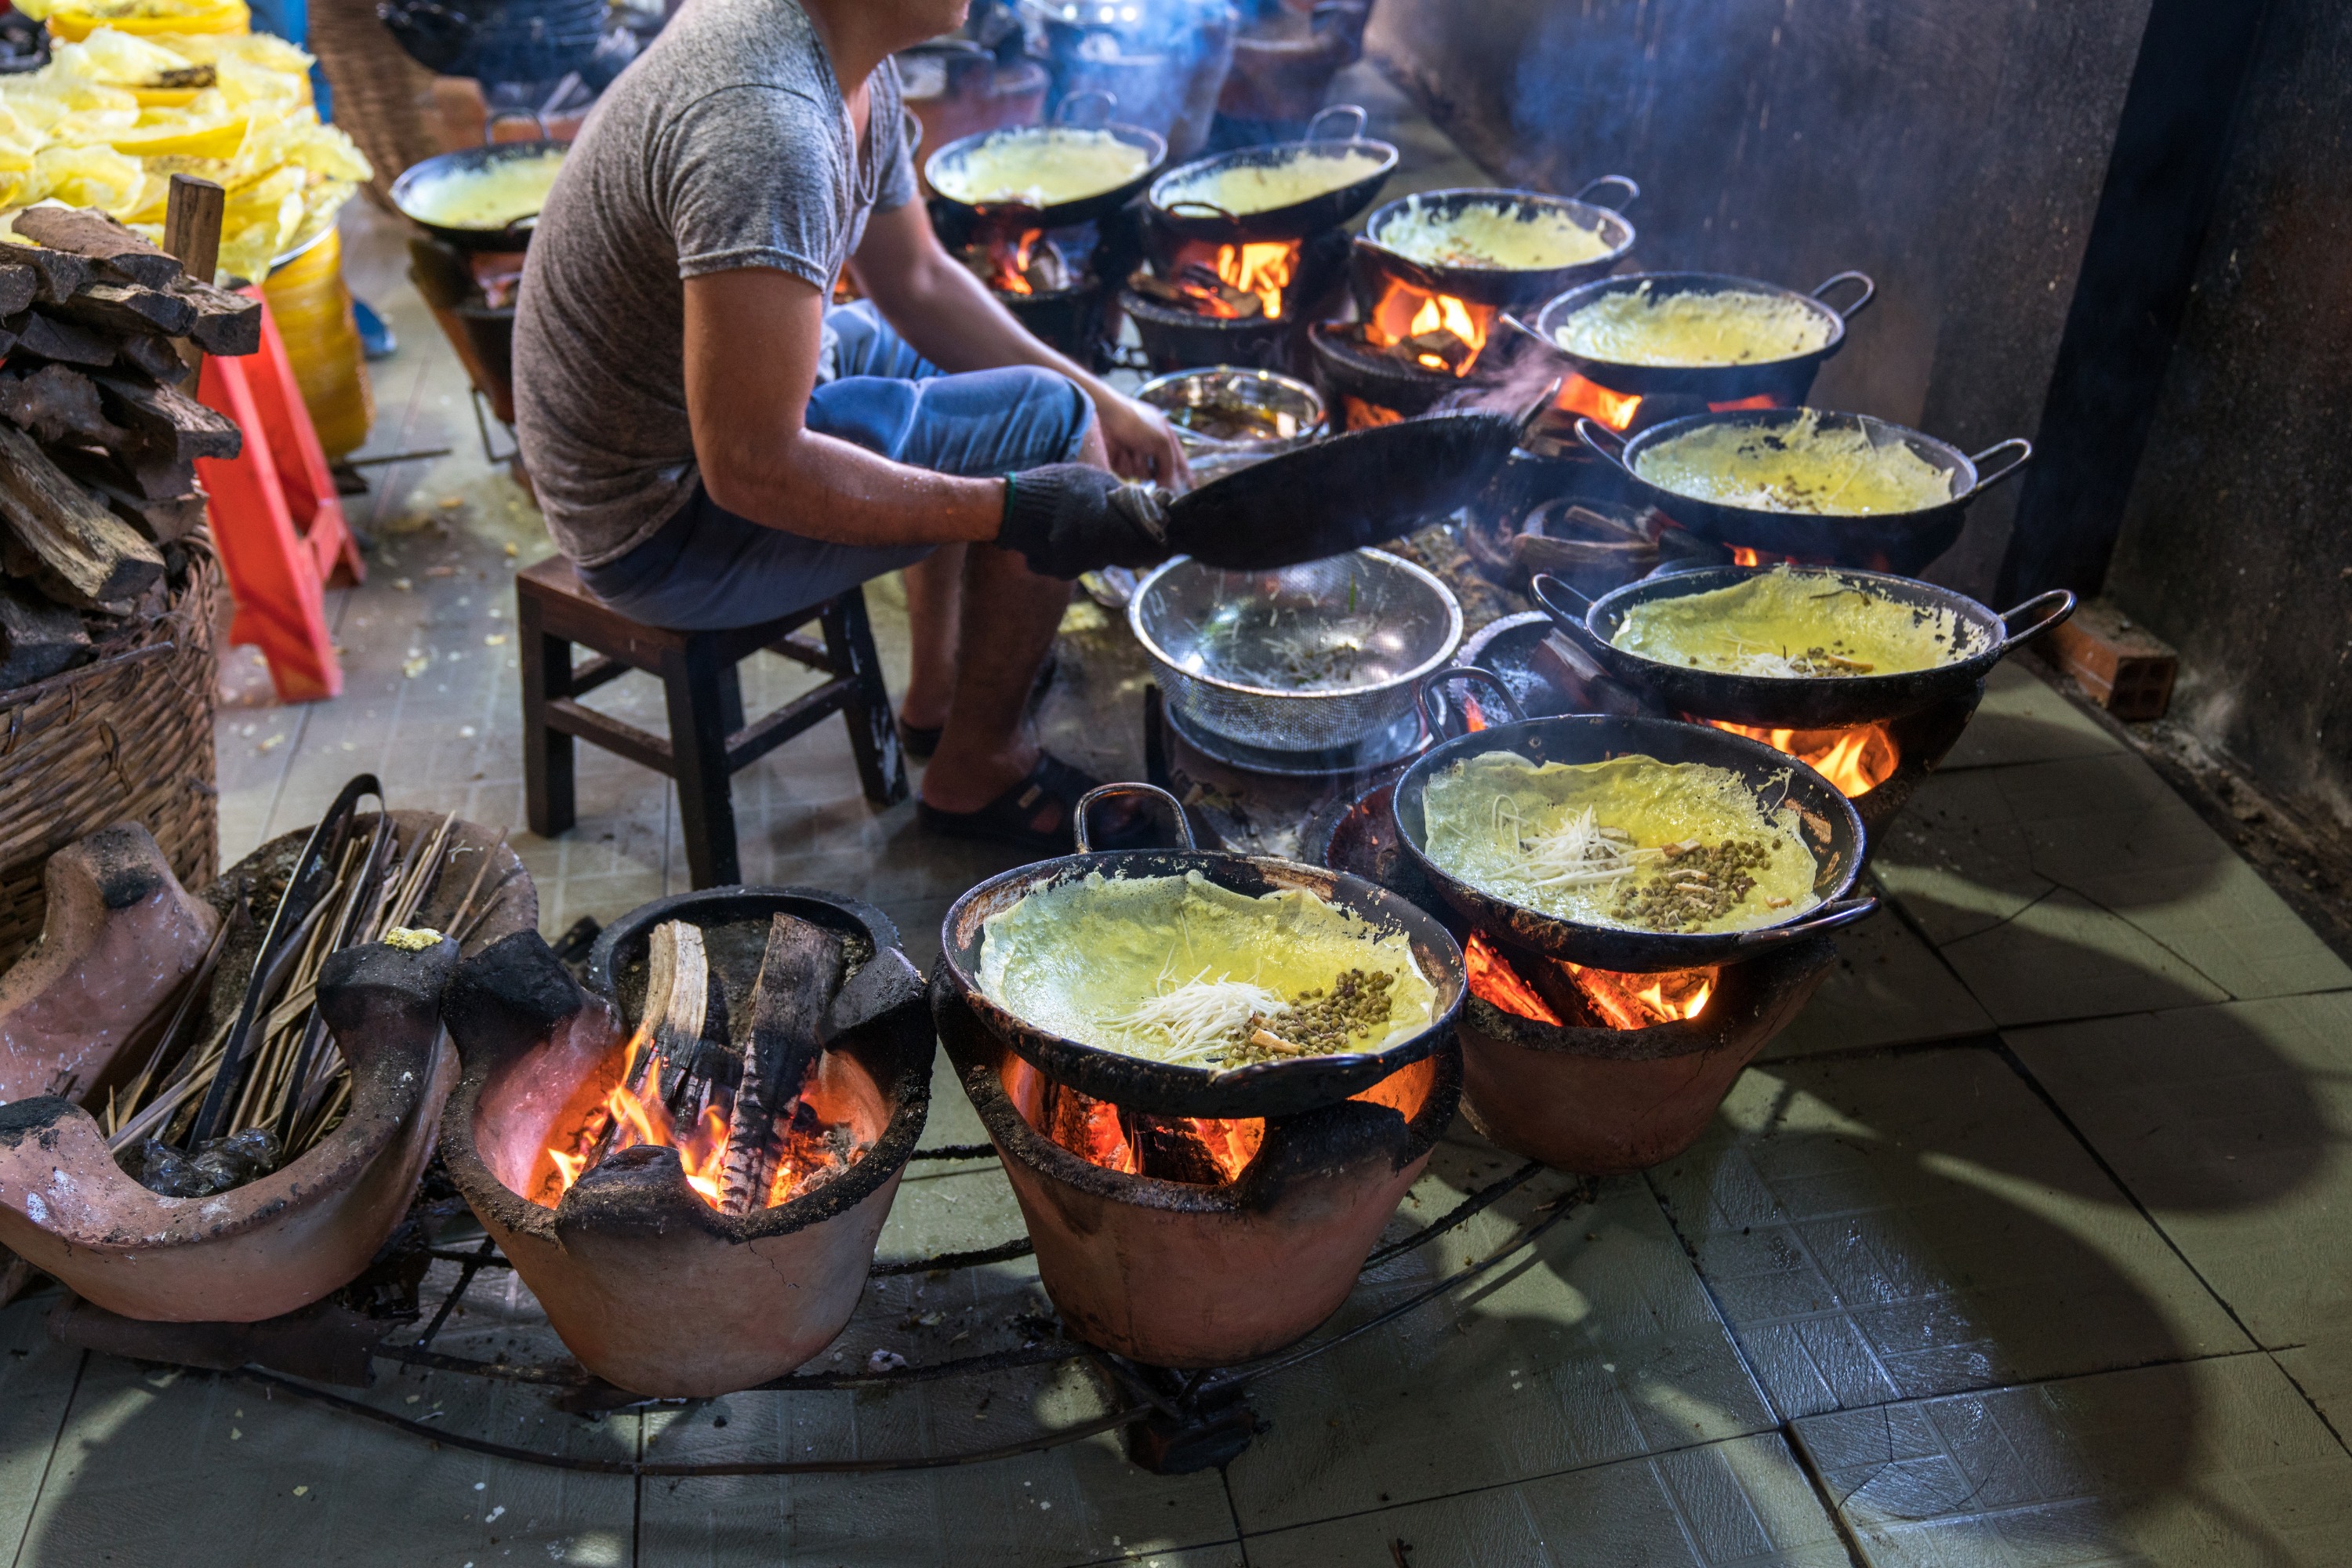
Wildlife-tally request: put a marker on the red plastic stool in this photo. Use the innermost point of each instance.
(277, 519)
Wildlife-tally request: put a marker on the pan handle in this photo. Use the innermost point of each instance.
(1106, 792)
(1109, 101)
(1869, 292)
(1177, 209)
(1569, 610)
(1622, 181)
(2025, 454)
(2046, 610)
(1314, 126)
(1539, 405)
(1843, 912)
(490, 125)
(1605, 442)
(1432, 687)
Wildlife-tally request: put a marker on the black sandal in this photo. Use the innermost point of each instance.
(920, 741)
(1035, 815)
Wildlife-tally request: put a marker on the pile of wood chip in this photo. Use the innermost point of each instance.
(100, 432)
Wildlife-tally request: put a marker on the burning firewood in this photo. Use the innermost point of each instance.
(798, 977)
(685, 1011)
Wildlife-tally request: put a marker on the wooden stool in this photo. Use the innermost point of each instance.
(708, 739)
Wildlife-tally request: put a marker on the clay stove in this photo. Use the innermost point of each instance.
(1198, 303)
(621, 1221)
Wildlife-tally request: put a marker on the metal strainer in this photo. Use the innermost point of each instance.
(1312, 657)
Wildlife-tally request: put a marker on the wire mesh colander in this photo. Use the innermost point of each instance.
(1312, 657)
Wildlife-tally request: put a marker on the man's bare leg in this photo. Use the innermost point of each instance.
(934, 600)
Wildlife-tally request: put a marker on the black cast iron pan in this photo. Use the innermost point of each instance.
(1830, 827)
(515, 235)
(1349, 492)
(1798, 702)
(1177, 204)
(1787, 379)
(1498, 285)
(1268, 1089)
(1901, 542)
(1055, 215)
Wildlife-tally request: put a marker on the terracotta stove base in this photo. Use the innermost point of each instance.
(1178, 1274)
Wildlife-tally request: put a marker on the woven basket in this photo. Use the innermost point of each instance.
(127, 738)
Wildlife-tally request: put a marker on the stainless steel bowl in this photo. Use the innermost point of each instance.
(1312, 658)
(1258, 392)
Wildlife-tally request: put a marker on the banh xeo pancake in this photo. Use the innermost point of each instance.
(1633, 842)
(1796, 468)
(1715, 327)
(1040, 168)
(1504, 236)
(1179, 970)
(492, 196)
(1783, 624)
(1263, 187)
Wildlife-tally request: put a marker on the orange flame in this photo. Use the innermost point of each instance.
(1762, 400)
(1263, 269)
(1009, 271)
(1356, 414)
(1627, 1003)
(1405, 313)
(1094, 1131)
(1589, 398)
(1743, 556)
(1858, 761)
(1495, 981)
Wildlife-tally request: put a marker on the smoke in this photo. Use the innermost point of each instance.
(1161, 64)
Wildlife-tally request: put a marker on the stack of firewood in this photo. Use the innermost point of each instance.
(99, 432)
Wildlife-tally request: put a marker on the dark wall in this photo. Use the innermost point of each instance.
(2237, 538)
(1955, 152)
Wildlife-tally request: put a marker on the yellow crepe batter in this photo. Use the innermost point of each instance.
(1796, 468)
(1786, 623)
(1177, 969)
(1718, 328)
(1263, 187)
(1040, 168)
(1633, 842)
(491, 197)
(1506, 237)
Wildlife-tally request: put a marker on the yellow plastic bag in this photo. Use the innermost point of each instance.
(314, 312)
(77, 19)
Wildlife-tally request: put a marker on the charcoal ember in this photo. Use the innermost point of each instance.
(241, 1157)
(160, 1168)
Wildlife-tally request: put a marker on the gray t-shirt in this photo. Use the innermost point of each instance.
(726, 145)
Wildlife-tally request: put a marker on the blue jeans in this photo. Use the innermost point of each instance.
(709, 570)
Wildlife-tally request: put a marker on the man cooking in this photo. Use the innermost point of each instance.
(715, 446)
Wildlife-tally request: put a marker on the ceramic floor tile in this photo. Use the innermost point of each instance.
(1893, 1228)
(36, 1382)
(1889, 988)
(2231, 1124)
(1598, 1344)
(2024, 718)
(2213, 1463)
(158, 1465)
(1744, 1501)
(2063, 957)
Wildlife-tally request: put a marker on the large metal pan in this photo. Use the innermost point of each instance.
(515, 235)
(1349, 492)
(1503, 287)
(1160, 1088)
(1195, 218)
(1831, 831)
(1055, 215)
(1798, 702)
(1903, 541)
(1786, 379)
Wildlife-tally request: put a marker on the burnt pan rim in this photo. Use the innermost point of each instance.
(1168, 1088)
(1559, 307)
(1687, 950)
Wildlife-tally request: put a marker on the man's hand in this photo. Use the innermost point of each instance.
(1141, 443)
(1066, 519)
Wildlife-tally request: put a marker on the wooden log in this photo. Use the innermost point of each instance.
(85, 231)
(166, 520)
(193, 212)
(53, 403)
(68, 342)
(19, 286)
(75, 549)
(155, 357)
(128, 311)
(59, 272)
(39, 637)
(677, 1060)
(144, 474)
(227, 323)
(799, 974)
(169, 422)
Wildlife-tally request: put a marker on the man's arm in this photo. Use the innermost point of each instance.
(752, 339)
(953, 321)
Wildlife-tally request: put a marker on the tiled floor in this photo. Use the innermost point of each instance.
(2027, 1245)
